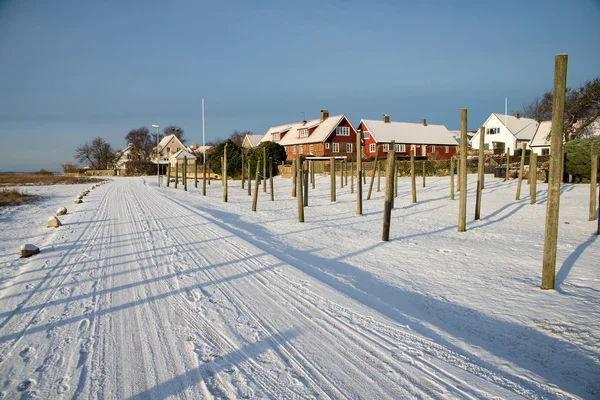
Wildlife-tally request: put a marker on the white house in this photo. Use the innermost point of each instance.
(251, 141)
(506, 132)
(540, 144)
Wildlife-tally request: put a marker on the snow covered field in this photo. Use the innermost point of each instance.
(158, 293)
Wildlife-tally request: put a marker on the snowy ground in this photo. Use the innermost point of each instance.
(158, 293)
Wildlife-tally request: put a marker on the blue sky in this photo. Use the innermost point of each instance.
(72, 70)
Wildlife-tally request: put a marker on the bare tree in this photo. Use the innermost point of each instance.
(69, 167)
(237, 137)
(98, 153)
(582, 108)
(141, 139)
(175, 130)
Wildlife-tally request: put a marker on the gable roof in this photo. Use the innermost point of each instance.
(409, 133)
(322, 130)
(165, 141)
(253, 139)
(182, 153)
(540, 138)
(521, 128)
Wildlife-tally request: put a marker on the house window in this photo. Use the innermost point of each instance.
(400, 148)
(336, 147)
(300, 149)
(294, 149)
(386, 147)
(348, 147)
(447, 149)
(372, 148)
(432, 148)
(366, 135)
(311, 149)
(276, 137)
(327, 146)
(179, 148)
(168, 151)
(545, 152)
(342, 131)
(303, 133)
(492, 131)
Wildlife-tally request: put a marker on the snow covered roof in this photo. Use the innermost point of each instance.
(410, 133)
(165, 141)
(254, 139)
(322, 130)
(521, 128)
(183, 153)
(540, 138)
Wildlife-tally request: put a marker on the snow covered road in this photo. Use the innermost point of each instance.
(144, 294)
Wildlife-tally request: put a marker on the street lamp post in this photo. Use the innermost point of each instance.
(157, 156)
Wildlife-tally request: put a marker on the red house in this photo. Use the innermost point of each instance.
(323, 137)
(429, 141)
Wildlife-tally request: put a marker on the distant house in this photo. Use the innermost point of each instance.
(122, 157)
(433, 141)
(323, 137)
(168, 146)
(540, 144)
(251, 141)
(180, 157)
(506, 132)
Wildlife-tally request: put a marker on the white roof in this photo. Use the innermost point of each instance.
(319, 135)
(165, 141)
(254, 139)
(182, 153)
(540, 138)
(522, 128)
(409, 133)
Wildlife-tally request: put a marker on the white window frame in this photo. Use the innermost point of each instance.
(326, 145)
(294, 149)
(366, 135)
(348, 147)
(311, 149)
(276, 137)
(336, 147)
(400, 148)
(342, 131)
(545, 152)
(386, 147)
(372, 148)
(300, 149)
(423, 149)
(447, 150)
(303, 133)
(433, 148)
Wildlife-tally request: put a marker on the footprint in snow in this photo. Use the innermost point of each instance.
(63, 385)
(28, 353)
(26, 384)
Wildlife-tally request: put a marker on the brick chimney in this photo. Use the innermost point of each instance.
(324, 115)
(195, 146)
(386, 118)
(517, 115)
(424, 122)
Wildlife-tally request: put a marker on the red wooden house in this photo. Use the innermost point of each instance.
(323, 137)
(429, 141)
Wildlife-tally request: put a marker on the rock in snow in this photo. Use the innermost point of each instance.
(27, 250)
(61, 211)
(78, 201)
(53, 222)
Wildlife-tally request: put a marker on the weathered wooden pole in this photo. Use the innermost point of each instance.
(271, 178)
(223, 169)
(593, 179)
(452, 178)
(196, 172)
(185, 173)
(169, 174)
(346, 172)
(225, 173)
(265, 170)
(255, 196)
(521, 172)
(423, 173)
(176, 172)
(396, 173)
(312, 173)
(332, 177)
(209, 172)
(359, 171)
(342, 174)
(352, 177)
(479, 175)
(243, 166)
(305, 184)
(204, 179)
(372, 177)
(507, 163)
(556, 151)
(462, 210)
(458, 174)
(392, 150)
(249, 180)
(413, 183)
(294, 176)
(388, 203)
(533, 177)
(378, 172)
(300, 196)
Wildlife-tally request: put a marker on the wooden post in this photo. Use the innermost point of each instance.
(249, 180)
(378, 172)
(351, 177)
(312, 173)
(392, 150)
(184, 173)
(305, 184)
(225, 173)
(372, 176)
(521, 171)
(423, 173)
(341, 174)
(556, 151)
(204, 179)
(389, 196)
(533, 177)
(265, 170)
(300, 196)
(196, 172)
(255, 197)
(452, 178)
(359, 171)
(396, 173)
(507, 163)
(176, 172)
(169, 174)
(294, 176)
(479, 174)
(223, 168)
(332, 177)
(271, 178)
(346, 172)
(593, 179)
(462, 210)
(413, 183)
(209, 171)
(243, 166)
(458, 174)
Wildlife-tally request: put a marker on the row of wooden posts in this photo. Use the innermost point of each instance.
(303, 176)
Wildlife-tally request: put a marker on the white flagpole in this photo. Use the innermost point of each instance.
(203, 144)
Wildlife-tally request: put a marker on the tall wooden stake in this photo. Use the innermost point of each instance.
(185, 173)
(312, 173)
(479, 174)
(176, 172)
(392, 150)
(372, 175)
(168, 174)
(593, 180)
(458, 174)
(305, 184)
(352, 177)
(423, 173)
(294, 176)
(204, 179)
(462, 210)
(452, 166)
(225, 173)
(359, 171)
(507, 164)
(346, 172)
(332, 177)
(271, 178)
(223, 168)
(378, 172)
(396, 173)
(249, 180)
(556, 151)
(413, 182)
(300, 196)
(265, 170)
(209, 171)
(521, 171)
(243, 166)
(255, 196)
(196, 172)
(389, 195)
(533, 177)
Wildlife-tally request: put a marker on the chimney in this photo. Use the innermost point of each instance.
(386, 118)
(424, 122)
(195, 146)
(324, 115)
(517, 115)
